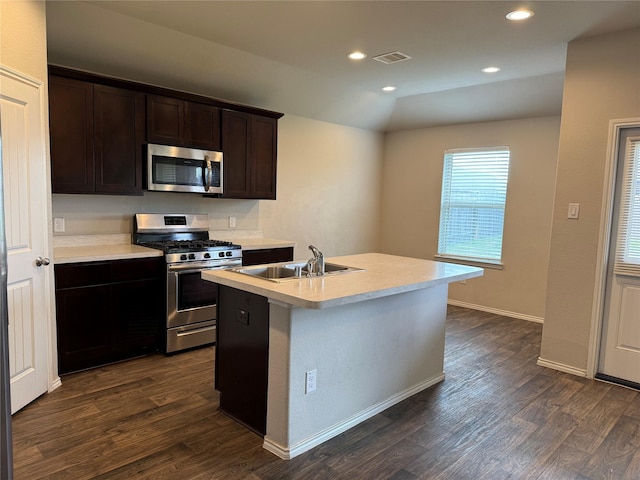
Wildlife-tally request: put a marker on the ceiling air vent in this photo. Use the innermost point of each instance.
(391, 57)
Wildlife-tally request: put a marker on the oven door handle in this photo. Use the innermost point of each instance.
(194, 267)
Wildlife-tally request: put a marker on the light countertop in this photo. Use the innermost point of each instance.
(262, 243)
(383, 275)
(99, 253)
(86, 249)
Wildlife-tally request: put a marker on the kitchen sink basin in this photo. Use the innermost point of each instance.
(291, 271)
(329, 268)
(269, 272)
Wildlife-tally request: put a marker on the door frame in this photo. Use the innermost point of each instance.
(604, 240)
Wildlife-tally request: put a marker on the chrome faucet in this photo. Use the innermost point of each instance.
(316, 264)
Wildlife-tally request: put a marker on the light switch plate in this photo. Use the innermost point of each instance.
(310, 381)
(574, 211)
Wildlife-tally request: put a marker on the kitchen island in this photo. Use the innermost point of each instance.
(369, 338)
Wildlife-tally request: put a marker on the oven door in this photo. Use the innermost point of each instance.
(190, 299)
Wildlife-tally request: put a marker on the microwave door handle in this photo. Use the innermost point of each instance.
(209, 174)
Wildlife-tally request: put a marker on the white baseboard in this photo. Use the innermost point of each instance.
(562, 367)
(321, 437)
(504, 313)
(54, 384)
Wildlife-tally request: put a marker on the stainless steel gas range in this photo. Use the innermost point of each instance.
(191, 301)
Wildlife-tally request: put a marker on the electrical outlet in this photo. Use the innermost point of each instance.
(310, 384)
(232, 222)
(462, 282)
(58, 224)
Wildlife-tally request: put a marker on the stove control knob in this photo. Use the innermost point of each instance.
(221, 254)
(229, 254)
(183, 257)
(192, 256)
(207, 255)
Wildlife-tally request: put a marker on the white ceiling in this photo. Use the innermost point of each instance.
(290, 56)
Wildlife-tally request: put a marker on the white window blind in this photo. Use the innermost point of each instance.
(474, 194)
(627, 260)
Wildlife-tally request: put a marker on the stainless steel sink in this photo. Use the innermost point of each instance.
(268, 272)
(291, 271)
(333, 268)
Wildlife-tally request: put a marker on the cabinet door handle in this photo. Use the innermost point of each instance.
(42, 261)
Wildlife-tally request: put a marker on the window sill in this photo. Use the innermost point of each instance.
(470, 261)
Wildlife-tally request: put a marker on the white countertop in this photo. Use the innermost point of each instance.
(98, 253)
(260, 243)
(86, 249)
(383, 275)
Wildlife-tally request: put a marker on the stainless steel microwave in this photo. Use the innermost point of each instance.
(180, 169)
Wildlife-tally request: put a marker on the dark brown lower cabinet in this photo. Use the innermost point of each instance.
(108, 311)
(267, 255)
(242, 356)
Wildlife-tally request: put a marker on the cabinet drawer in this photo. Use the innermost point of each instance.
(139, 269)
(100, 273)
(82, 274)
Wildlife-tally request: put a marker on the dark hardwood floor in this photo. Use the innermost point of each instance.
(497, 415)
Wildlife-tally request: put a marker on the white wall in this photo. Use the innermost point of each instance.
(329, 180)
(602, 83)
(411, 212)
(23, 41)
(104, 214)
(368, 356)
(329, 188)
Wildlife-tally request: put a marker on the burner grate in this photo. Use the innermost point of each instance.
(169, 246)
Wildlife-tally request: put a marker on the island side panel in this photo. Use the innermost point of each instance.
(368, 356)
(242, 352)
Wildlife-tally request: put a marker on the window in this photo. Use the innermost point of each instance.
(628, 242)
(474, 193)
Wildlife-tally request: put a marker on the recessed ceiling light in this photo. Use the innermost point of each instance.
(357, 55)
(388, 88)
(491, 69)
(521, 14)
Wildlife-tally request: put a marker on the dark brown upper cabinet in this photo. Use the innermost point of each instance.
(249, 145)
(71, 135)
(171, 121)
(100, 125)
(96, 133)
(118, 140)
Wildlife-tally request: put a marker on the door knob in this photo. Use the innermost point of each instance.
(42, 261)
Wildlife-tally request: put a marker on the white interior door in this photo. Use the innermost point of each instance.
(620, 343)
(23, 144)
